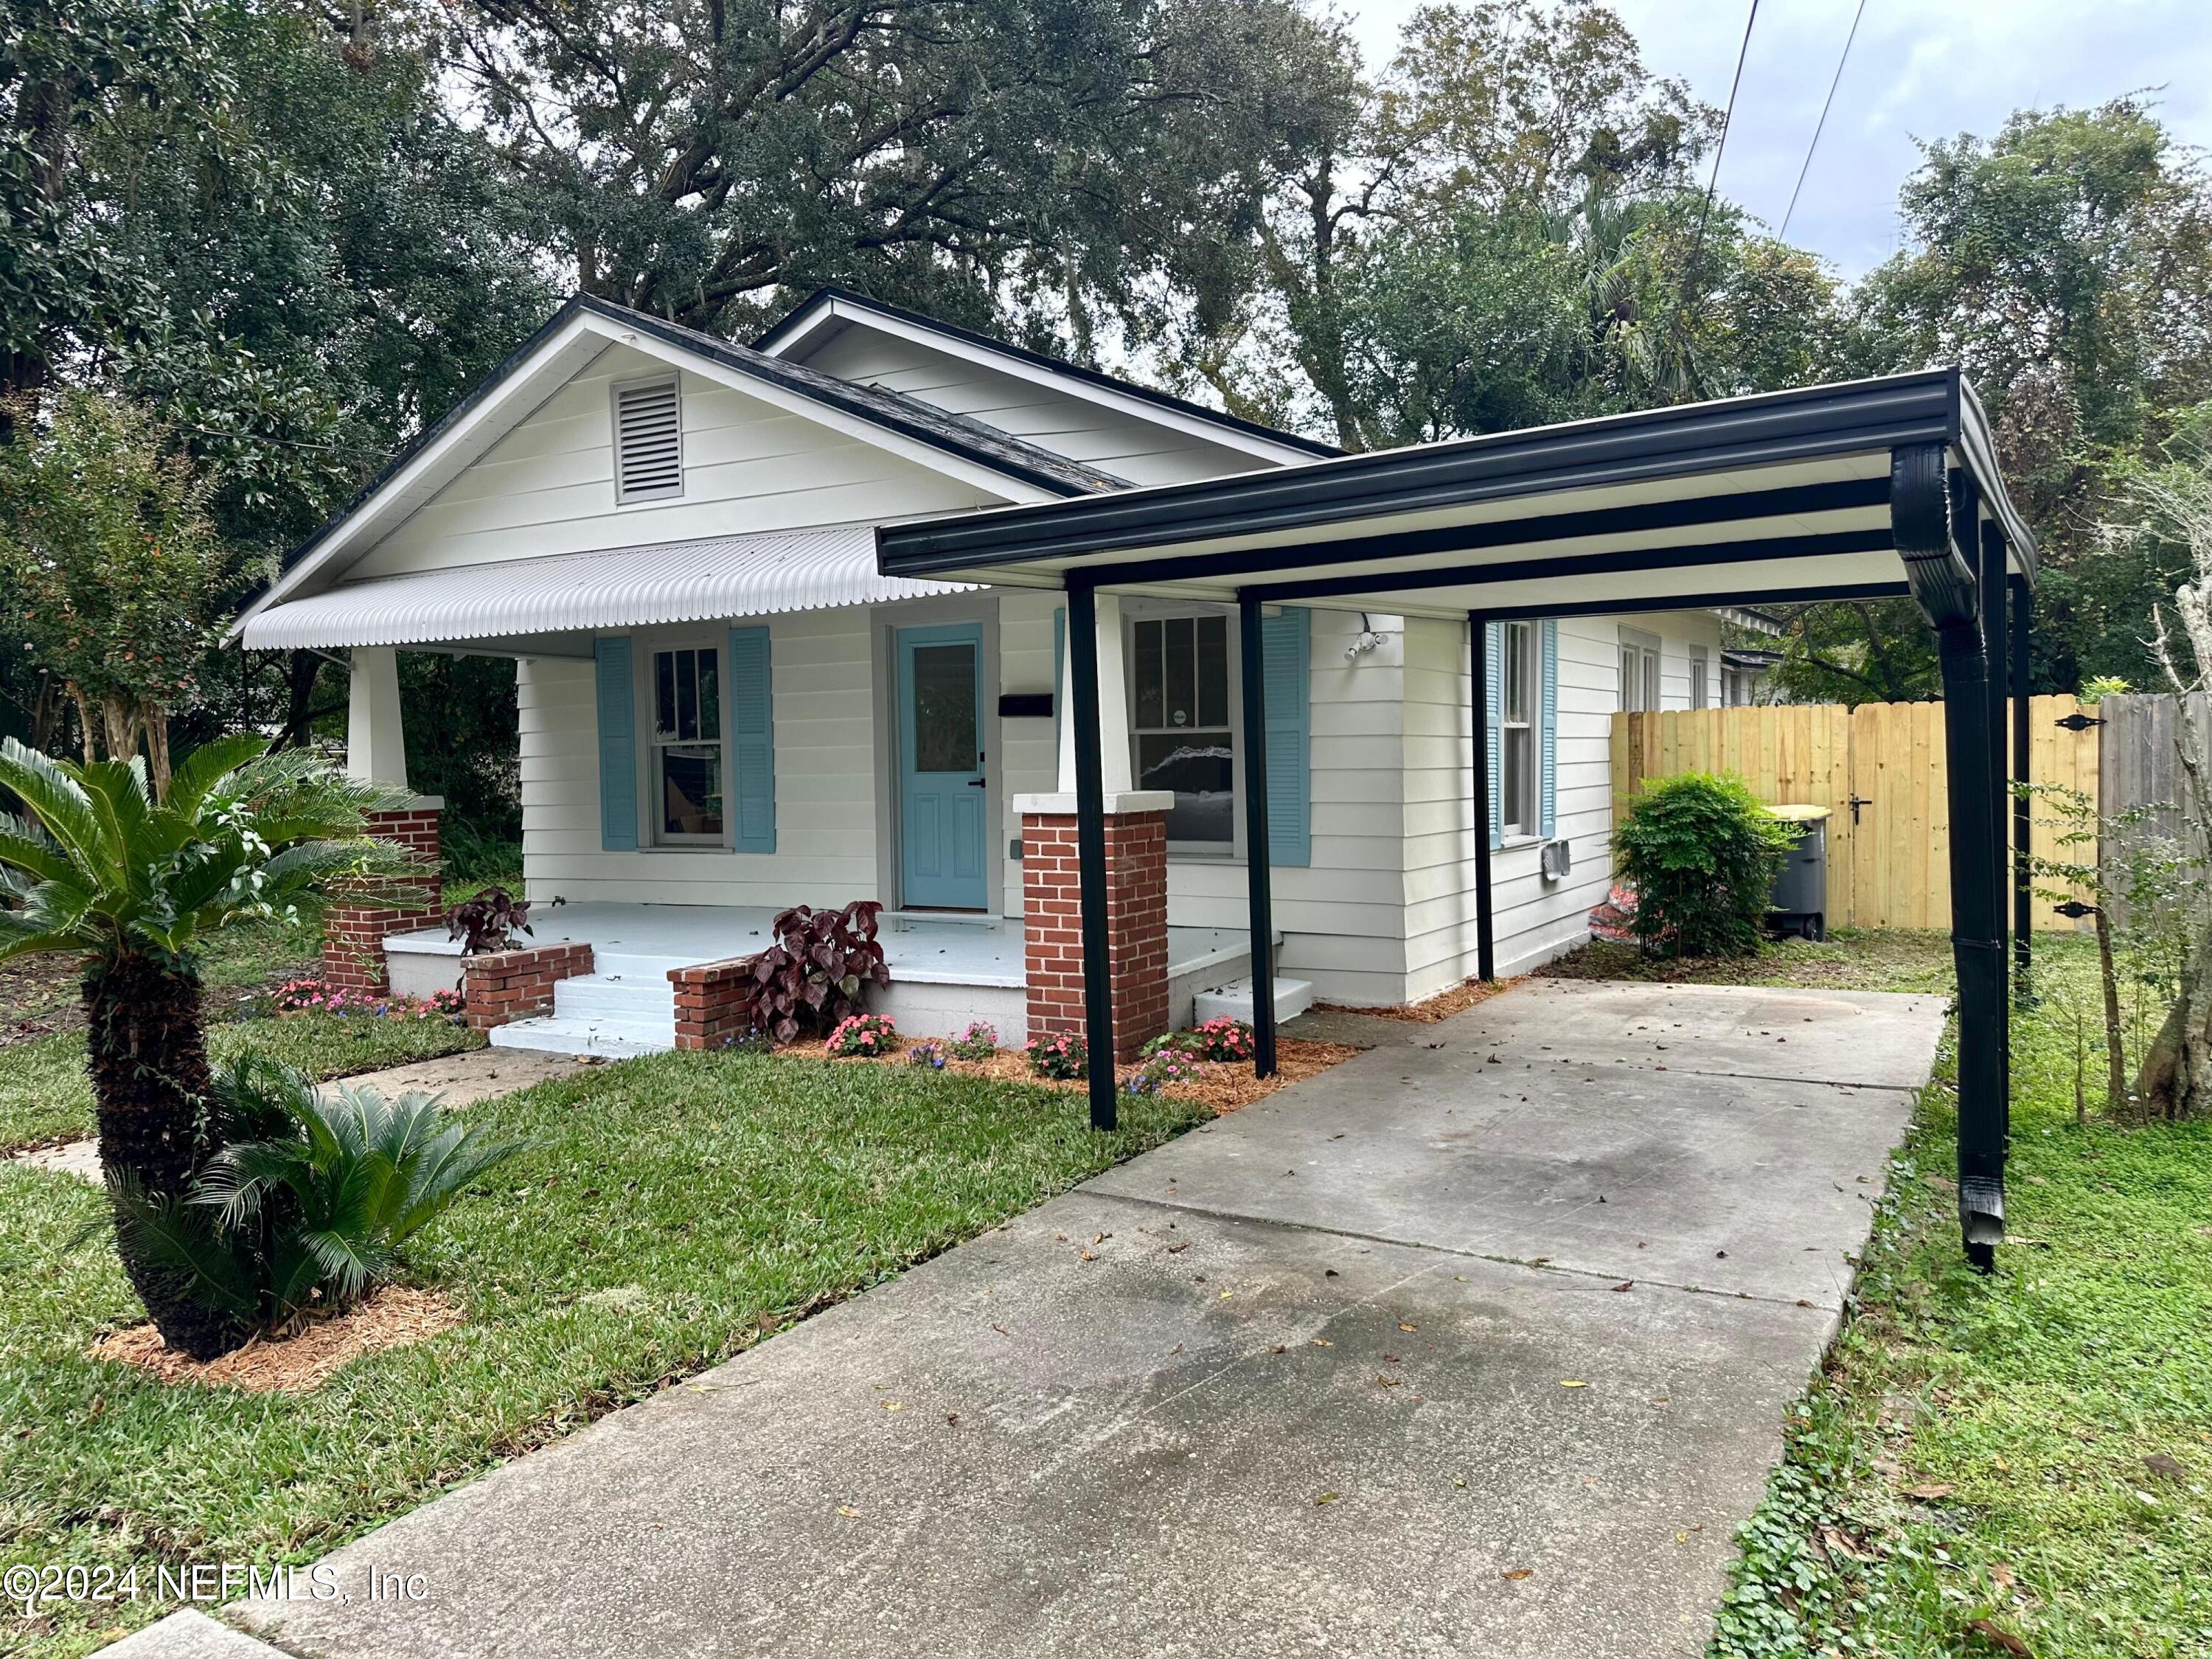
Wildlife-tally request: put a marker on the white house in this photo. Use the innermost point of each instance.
(725, 709)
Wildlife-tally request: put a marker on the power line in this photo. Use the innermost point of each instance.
(1820, 126)
(1686, 296)
(1728, 118)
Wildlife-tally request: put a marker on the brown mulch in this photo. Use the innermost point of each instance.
(1223, 1085)
(392, 1318)
(1427, 1012)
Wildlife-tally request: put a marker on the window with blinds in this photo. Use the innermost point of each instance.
(648, 441)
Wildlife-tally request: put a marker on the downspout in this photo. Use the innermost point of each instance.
(1944, 585)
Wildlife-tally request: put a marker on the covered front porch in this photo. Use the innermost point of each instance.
(946, 972)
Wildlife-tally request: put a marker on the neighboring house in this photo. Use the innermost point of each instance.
(1744, 676)
(725, 709)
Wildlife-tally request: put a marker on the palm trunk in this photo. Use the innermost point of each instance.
(150, 1084)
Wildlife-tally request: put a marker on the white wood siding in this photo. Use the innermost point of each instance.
(826, 772)
(1140, 450)
(1342, 917)
(1535, 920)
(548, 486)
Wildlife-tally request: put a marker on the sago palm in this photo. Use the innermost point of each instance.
(101, 870)
(307, 1205)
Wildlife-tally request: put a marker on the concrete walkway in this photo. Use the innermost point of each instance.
(1479, 1344)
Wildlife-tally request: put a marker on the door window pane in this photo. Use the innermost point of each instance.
(944, 737)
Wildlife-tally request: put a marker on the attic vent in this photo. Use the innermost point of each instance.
(648, 441)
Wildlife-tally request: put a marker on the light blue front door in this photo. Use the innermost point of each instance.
(942, 799)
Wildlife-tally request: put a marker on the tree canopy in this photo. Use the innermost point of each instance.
(289, 237)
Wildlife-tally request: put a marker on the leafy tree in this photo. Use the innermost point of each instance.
(1864, 651)
(2066, 264)
(702, 157)
(111, 569)
(130, 885)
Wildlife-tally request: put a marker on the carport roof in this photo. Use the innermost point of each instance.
(1778, 496)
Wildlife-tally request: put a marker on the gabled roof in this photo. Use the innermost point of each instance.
(584, 326)
(826, 307)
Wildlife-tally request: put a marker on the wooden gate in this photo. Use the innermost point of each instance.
(1878, 768)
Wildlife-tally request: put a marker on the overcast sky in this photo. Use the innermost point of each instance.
(1916, 72)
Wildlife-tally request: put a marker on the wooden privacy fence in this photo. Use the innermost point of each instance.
(1879, 769)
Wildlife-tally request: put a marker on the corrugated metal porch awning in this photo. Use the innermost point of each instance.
(760, 574)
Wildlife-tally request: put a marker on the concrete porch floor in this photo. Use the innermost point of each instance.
(947, 971)
(931, 948)
(1479, 1344)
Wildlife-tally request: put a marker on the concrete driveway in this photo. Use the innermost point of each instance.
(1479, 1344)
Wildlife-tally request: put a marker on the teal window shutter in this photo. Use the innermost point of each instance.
(1494, 705)
(618, 714)
(752, 741)
(1547, 733)
(1285, 649)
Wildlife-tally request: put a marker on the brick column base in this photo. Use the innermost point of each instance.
(1136, 916)
(715, 1001)
(504, 986)
(354, 934)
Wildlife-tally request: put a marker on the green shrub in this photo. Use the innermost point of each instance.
(1702, 854)
(306, 1205)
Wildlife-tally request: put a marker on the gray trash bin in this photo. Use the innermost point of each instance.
(1799, 901)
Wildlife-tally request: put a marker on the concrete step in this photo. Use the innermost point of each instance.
(596, 996)
(1234, 1001)
(616, 1039)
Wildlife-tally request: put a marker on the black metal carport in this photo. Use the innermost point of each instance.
(1876, 488)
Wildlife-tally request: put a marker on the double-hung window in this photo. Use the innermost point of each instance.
(1516, 731)
(687, 744)
(1699, 695)
(1181, 726)
(1639, 670)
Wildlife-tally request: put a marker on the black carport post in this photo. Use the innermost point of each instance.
(1947, 585)
(1996, 642)
(1478, 661)
(1091, 849)
(2023, 896)
(1260, 911)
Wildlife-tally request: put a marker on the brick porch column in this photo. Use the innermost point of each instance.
(352, 934)
(1136, 914)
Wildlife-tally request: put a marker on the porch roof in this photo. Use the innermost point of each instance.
(723, 576)
(1777, 497)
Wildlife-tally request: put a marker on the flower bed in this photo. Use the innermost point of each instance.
(315, 996)
(1177, 1070)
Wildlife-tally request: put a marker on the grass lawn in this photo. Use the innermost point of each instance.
(45, 1095)
(39, 994)
(672, 1211)
(2022, 1459)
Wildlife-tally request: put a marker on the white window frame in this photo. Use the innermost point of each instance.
(643, 497)
(1134, 611)
(1641, 684)
(1700, 676)
(1519, 711)
(649, 650)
